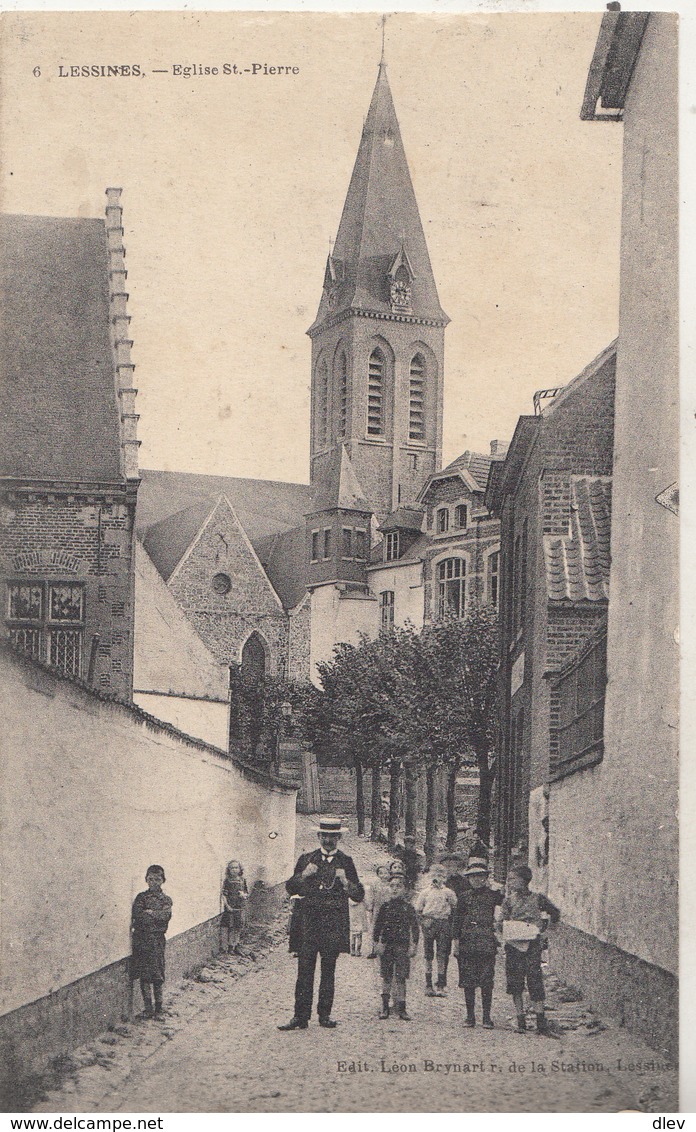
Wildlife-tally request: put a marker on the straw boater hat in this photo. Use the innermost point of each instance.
(330, 825)
(477, 866)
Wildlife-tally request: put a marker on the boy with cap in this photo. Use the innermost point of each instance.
(528, 914)
(396, 939)
(475, 942)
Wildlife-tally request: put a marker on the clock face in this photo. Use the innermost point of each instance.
(400, 293)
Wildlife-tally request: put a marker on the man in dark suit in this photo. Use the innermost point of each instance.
(326, 879)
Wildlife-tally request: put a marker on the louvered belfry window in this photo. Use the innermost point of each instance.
(342, 394)
(322, 405)
(416, 405)
(375, 394)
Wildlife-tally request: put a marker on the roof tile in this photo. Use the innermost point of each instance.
(577, 565)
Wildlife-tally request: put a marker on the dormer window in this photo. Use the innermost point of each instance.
(391, 546)
(461, 516)
(442, 520)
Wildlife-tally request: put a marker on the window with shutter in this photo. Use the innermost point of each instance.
(375, 394)
(416, 405)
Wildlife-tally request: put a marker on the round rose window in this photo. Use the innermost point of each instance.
(222, 584)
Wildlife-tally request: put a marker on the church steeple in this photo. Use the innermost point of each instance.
(380, 222)
(378, 338)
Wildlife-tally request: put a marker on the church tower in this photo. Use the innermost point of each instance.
(378, 338)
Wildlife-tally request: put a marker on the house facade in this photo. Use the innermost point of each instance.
(69, 477)
(552, 494)
(617, 835)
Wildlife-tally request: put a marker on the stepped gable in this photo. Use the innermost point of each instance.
(577, 565)
(380, 226)
(60, 414)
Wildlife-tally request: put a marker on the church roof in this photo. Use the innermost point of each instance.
(172, 507)
(59, 418)
(284, 558)
(379, 224)
(339, 489)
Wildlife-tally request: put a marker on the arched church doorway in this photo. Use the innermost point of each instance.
(247, 681)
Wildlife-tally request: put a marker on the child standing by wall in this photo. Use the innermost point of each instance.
(152, 911)
(435, 904)
(526, 915)
(396, 936)
(475, 942)
(234, 897)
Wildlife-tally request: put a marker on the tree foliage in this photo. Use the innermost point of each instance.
(412, 699)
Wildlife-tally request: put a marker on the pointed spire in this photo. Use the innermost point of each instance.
(340, 489)
(383, 61)
(380, 218)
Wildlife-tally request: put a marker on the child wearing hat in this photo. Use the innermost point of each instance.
(475, 942)
(435, 904)
(396, 938)
(525, 915)
(151, 914)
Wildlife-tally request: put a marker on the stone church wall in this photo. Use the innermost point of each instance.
(224, 620)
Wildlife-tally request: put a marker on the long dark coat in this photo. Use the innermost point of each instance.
(325, 918)
(147, 962)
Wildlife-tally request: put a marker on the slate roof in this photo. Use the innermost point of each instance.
(284, 558)
(577, 565)
(476, 463)
(339, 488)
(403, 518)
(59, 416)
(380, 220)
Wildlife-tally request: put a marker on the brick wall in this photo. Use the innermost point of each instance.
(481, 536)
(62, 537)
(573, 437)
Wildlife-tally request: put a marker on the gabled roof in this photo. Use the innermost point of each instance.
(339, 489)
(380, 219)
(577, 564)
(59, 417)
(265, 510)
(471, 467)
(264, 507)
(505, 473)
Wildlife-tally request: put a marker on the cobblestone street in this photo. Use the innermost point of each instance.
(219, 1049)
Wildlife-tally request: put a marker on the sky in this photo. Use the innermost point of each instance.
(233, 187)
